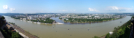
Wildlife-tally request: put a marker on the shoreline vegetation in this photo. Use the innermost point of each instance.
(6, 30)
(70, 20)
(46, 21)
(49, 21)
(120, 31)
(81, 21)
(23, 31)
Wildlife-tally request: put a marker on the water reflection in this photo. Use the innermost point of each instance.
(57, 19)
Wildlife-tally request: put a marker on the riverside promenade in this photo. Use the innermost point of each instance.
(22, 32)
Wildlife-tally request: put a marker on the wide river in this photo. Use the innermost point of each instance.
(69, 30)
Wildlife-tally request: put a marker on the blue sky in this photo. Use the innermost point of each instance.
(66, 6)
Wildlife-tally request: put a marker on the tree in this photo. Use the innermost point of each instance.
(3, 17)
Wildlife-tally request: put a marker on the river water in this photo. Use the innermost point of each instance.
(69, 30)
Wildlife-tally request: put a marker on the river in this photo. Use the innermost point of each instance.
(69, 30)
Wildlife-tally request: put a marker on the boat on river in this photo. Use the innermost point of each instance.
(38, 22)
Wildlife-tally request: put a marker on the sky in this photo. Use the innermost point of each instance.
(66, 6)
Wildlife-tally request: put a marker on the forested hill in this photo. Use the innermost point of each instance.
(6, 30)
(123, 31)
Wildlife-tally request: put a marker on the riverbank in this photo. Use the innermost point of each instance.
(69, 30)
(23, 31)
(120, 31)
(54, 22)
(45, 23)
(91, 21)
(37, 20)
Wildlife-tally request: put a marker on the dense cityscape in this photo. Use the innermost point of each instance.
(72, 18)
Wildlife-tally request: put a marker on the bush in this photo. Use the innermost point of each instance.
(10, 34)
(3, 17)
(15, 35)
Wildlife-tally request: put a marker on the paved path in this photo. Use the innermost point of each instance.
(131, 33)
(23, 32)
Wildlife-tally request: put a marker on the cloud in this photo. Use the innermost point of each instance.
(5, 7)
(63, 10)
(90, 9)
(73, 10)
(115, 8)
(11, 9)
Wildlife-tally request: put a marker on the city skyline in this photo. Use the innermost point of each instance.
(66, 6)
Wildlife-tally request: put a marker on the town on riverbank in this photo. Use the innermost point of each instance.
(90, 18)
(25, 33)
(67, 18)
